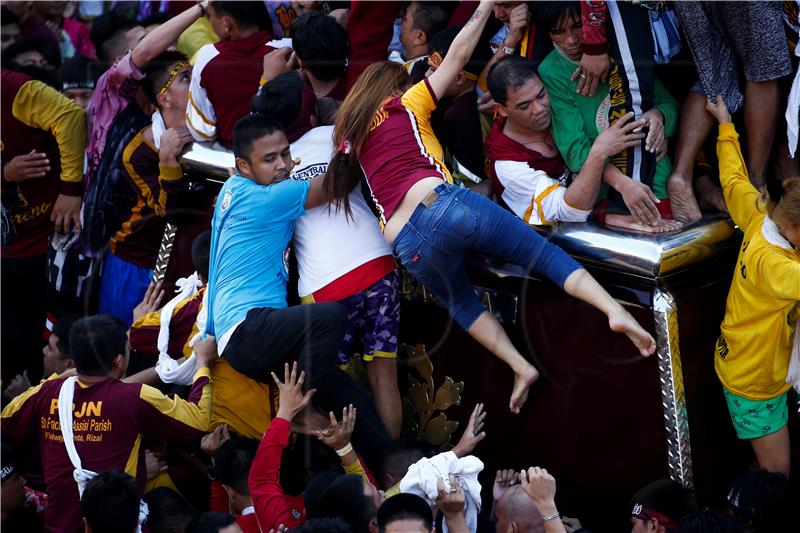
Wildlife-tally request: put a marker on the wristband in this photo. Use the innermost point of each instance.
(551, 516)
(508, 50)
(202, 9)
(263, 81)
(344, 451)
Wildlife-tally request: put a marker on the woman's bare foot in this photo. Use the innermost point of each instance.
(621, 321)
(629, 222)
(709, 195)
(682, 201)
(522, 382)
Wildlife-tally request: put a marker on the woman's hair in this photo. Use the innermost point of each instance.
(353, 123)
(783, 201)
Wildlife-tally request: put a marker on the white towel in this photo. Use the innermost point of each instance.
(82, 476)
(770, 232)
(793, 109)
(179, 371)
(158, 128)
(424, 475)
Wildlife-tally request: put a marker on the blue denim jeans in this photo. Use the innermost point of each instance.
(431, 246)
(122, 287)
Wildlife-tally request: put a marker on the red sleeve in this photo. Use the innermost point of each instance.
(271, 504)
(218, 501)
(369, 31)
(593, 18)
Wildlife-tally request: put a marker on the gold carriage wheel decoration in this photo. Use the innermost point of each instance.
(423, 401)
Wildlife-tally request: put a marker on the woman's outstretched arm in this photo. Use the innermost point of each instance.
(461, 49)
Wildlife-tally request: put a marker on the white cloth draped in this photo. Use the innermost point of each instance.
(82, 476)
(168, 369)
(770, 232)
(424, 475)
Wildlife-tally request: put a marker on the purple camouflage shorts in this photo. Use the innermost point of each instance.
(374, 314)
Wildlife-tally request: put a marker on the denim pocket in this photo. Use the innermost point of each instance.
(454, 228)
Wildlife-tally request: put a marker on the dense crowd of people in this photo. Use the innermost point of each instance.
(194, 336)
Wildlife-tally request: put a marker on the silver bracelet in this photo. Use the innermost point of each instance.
(551, 517)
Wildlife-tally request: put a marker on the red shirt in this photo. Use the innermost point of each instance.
(248, 523)
(401, 148)
(593, 17)
(273, 507)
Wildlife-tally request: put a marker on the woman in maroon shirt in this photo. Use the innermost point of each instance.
(384, 135)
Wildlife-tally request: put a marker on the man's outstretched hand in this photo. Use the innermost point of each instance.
(473, 433)
(337, 436)
(291, 399)
(151, 301)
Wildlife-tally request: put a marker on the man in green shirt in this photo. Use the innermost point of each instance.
(577, 120)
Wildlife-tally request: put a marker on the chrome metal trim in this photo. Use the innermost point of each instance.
(164, 252)
(592, 243)
(208, 160)
(673, 400)
(645, 254)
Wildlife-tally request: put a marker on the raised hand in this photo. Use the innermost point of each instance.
(151, 301)
(452, 501)
(539, 485)
(337, 436)
(502, 480)
(718, 110)
(18, 385)
(473, 433)
(291, 399)
(518, 21)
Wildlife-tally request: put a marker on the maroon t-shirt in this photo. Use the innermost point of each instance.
(401, 148)
(231, 79)
(500, 147)
(109, 421)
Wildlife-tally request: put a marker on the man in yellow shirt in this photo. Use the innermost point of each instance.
(761, 313)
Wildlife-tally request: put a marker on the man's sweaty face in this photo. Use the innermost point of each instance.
(270, 159)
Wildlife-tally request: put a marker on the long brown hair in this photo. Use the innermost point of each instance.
(353, 120)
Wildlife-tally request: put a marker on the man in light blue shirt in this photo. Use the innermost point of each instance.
(257, 333)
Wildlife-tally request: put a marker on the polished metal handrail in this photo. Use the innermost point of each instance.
(592, 243)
